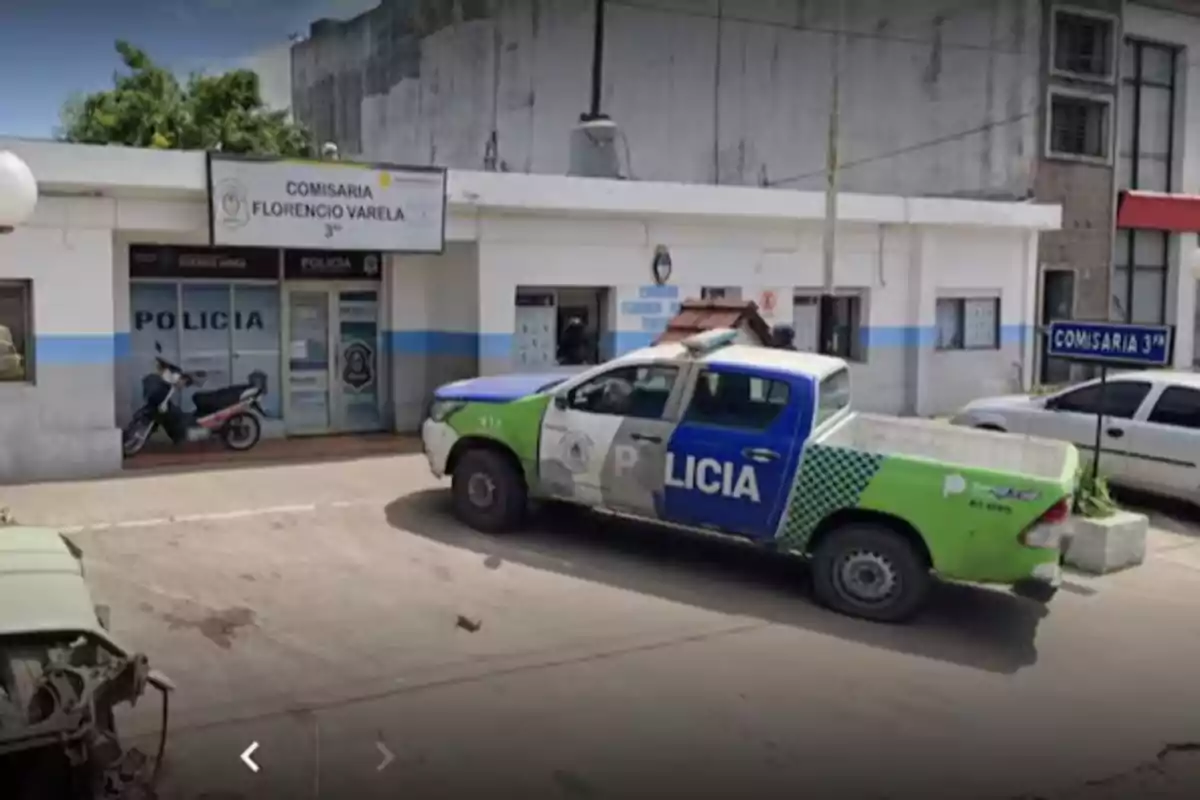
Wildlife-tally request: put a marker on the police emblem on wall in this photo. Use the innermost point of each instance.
(233, 208)
(359, 371)
(660, 267)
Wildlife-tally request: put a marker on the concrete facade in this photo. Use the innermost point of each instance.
(1085, 189)
(453, 315)
(705, 91)
(713, 92)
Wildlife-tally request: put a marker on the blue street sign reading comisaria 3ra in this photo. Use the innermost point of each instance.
(1111, 343)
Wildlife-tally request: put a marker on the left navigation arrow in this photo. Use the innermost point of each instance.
(246, 757)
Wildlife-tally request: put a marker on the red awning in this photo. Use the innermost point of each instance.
(1158, 211)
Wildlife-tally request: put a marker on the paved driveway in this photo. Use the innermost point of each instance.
(326, 610)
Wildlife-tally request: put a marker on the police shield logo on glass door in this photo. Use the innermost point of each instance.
(358, 372)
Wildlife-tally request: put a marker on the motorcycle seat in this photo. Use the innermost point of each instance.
(217, 399)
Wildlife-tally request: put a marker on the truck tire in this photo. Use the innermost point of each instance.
(489, 492)
(870, 571)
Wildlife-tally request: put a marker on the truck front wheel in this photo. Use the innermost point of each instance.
(870, 571)
(489, 492)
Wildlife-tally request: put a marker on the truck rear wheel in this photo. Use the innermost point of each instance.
(489, 492)
(870, 571)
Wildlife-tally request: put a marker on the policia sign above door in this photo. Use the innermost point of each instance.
(308, 265)
(325, 205)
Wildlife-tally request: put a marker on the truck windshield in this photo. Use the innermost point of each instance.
(833, 395)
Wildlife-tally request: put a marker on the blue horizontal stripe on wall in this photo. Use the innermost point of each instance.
(101, 348)
(926, 336)
(450, 343)
(621, 342)
(53, 349)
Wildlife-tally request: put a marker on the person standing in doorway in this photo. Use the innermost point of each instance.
(573, 344)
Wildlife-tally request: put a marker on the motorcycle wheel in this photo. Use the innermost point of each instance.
(136, 433)
(241, 432)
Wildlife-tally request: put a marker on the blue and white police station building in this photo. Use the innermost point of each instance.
(357, 289)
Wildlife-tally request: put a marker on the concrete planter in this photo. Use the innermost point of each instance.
(1105, 545)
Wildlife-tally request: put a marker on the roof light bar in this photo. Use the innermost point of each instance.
(708, 341)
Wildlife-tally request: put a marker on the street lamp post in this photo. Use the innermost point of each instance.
(18, 191)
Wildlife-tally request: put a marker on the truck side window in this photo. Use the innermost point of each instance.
(833, 395)
(631, 391)
(735, 400)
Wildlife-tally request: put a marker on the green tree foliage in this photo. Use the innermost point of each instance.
(149, 107)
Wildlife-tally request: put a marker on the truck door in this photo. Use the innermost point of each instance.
(603, 440)
(730, 463)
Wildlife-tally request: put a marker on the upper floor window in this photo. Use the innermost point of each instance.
(1079, 126)
(1083, 45)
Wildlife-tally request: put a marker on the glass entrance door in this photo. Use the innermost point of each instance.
(333, 359)
(356, 361)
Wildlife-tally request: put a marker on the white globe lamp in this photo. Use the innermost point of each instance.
(18, 191)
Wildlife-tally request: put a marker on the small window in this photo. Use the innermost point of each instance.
(1079, 126)
(1083, 45)
(735, 400)
(16, 331)
(968, 323)
(1177, 406)
(833, 395)
(634, 391)
(1121, 399)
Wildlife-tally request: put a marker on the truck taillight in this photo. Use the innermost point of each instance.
(1048, 531)
(1059, 512)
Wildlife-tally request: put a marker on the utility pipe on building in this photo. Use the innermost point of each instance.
(829, 240)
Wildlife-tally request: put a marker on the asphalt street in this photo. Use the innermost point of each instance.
(335, 614)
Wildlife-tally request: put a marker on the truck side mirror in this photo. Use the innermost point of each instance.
(560, 402)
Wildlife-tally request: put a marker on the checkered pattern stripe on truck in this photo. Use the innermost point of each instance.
(829, 478)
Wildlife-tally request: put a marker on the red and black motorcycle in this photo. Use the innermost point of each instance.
(231, 413)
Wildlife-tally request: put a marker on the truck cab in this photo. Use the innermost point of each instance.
(703, 438)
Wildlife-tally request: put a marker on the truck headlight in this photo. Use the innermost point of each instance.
(440, 410)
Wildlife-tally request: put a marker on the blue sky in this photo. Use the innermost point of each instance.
(51, 49)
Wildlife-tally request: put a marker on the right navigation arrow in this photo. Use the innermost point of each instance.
(387, 755)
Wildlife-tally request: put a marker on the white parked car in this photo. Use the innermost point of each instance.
(1150, 436)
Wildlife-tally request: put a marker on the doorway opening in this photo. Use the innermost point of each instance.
(334, 370)
(559, 326)
(1058, 303)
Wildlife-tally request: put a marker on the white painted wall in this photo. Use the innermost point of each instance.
(60, 425)
(705, 90)
(1183, 31)
(877, 261)
(505, 231)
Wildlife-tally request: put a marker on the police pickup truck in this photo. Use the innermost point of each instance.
(762, 445)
